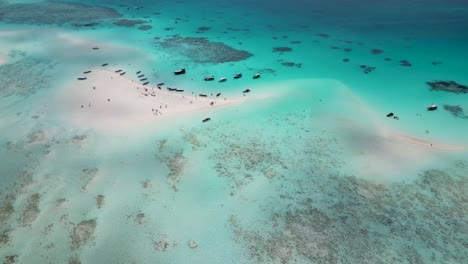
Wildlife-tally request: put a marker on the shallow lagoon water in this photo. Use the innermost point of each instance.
(309, 172)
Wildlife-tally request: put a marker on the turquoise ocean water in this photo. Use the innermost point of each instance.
(309, 175)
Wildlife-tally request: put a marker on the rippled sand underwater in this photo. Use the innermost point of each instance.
(306, 168)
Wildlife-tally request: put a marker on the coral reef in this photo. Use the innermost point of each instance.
(99, 201)
(241, 162)
(145, 27)
(11, 259)
(201, 50)
(36, 136)
(88, 175)
(30, 210)
(128, 22)
(291, 64)
(162, 243)
(282, 49)
(367, 69)
(323, 35)
(357, 221)
(405, 63)
(25, 76)
(83, 233)
(176, 165)
(92, 24)
(6, 210)
(74, 260)
(193, 138)
(140, 218)
(146, 184)
(54, 12)
(203, 28)
(376, 51)
(448, 86)
(5, 237)
(456, 111)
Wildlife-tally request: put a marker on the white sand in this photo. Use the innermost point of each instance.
(118, 103)
(378, 151)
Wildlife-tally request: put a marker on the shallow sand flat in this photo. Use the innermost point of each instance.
(117, 102)
(376, 150)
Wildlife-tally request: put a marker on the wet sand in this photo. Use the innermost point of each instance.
(107, 101)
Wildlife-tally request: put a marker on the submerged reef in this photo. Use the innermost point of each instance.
(448, 86)
(357, 221)
(323, 35)
(201, 50)
(54, 12)
(456, 111)
(100, 201)
(128, 22)
(6, 210)
(291, 64)
(405, 63)
(11, 259)
(25, 76)
(87, 176)
(30, 210)
(282, 49)
(145, 27)
(203, 28)
(83, 233)
(376, 51)
(175, 161)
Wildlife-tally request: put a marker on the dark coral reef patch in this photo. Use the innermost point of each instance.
(376, 51)
(456, 111)
(128, 22)
(201, 50)
(282, 49)
(291, 64)
(145, 27)
(54, 12)
(448, 86)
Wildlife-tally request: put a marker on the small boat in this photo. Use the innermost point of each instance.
(145, 83)
(95, 48)
(432, 107)
(179, 90)
(142, 75)
(171, 89)
(203, 95)
(256, 76)
(209, 78)
(104, 65)
(118, 71)
(82, 78)
(178, 72)
(86, 72)
(160, 84)
(122, 73)
(144, 79)
(246, 90)
(206, 119)
(218, 94)
(222, 79)
(138, 72)
(237, 76)
(389, 114)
